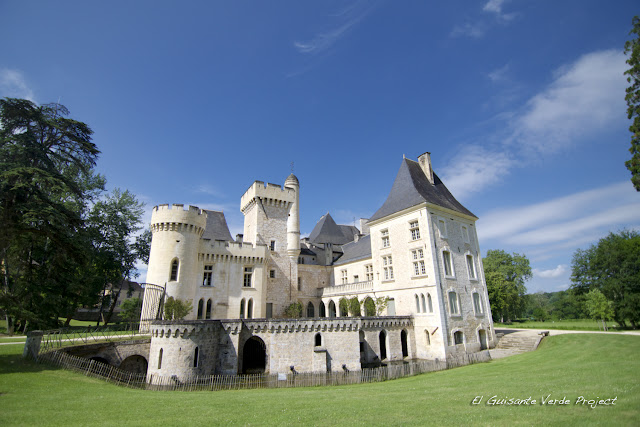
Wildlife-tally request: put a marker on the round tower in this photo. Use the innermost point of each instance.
(293, 221)
(173, 258)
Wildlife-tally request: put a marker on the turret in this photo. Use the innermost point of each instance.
(173, 258)
(293, 221)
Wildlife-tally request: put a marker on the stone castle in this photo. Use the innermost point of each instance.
(414, 267)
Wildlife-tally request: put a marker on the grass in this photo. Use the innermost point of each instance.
(569, 324)
(570, 366)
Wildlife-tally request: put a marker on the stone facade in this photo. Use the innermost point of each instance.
(419, 254)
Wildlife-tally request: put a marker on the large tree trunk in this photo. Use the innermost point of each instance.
(114, 301)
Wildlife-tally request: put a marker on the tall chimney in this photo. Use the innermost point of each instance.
(425, 164)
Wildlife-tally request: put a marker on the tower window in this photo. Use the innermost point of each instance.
(415, 230)
(272, 274)
(385, 238)
(207, 278)
(248, 272)
(173, 276)
(272, 245)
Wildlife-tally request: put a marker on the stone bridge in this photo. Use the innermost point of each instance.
(130, 356)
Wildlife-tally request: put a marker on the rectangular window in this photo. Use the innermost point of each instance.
(387, 262)
(299, 283)
(369, 272)
(471, 266)
(465, 234)
(207, 279)
(442, 228)
(477, 303)
(356, 279)
(344, 278)
(415, 230)
(453, 303)
(272, 245)
(248, 272)
(385, 238)
(272, 274)
(419, 268)
(448, 266)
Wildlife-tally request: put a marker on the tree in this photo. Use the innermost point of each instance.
(632, 48)
(381, 305)
(46, 183)
(505, 275)
(599, 307)
(130, 309)
(293, 311)
(613, 267)
(176, 309)
(355, 307)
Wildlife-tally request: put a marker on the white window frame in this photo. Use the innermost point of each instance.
(452, 272)
(478, 306)
(454, 303)
(414, 228)
(369, 272)
(387, 263)
(386, 241)
(471, 266)
(344, 278)
(207, 277)
(419, 267)
(247, 277)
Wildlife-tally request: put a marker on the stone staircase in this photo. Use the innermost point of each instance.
(510, 343)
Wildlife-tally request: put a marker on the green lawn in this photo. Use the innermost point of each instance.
(564, 366)
(570, 324)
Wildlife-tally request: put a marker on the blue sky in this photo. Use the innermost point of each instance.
(521, 104)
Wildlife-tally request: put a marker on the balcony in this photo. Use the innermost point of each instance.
(349, 288)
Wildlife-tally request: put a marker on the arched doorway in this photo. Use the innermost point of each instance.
(254, 356)
(383, 345)
(404, 344)
(136, 364)
(332, 309)
(482, 334)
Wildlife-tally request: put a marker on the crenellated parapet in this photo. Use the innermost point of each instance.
(176, 218)
(182, 329)
(268, 195)
(387, 322)
(233, 252)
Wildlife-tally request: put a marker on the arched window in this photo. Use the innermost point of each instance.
(173, 275)
(322, 310)
(429, 303)
(311, 312)
(417, 304)
(424, 305)
(195, 358)
(208, 313)
(160, 359)
(318, 340)
(242, 309)
(200, 308)
(250, 309)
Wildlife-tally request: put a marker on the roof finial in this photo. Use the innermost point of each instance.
(291, 167)
(403, 156)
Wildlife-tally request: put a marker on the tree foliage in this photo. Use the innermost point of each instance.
(613, 267)
(176, 309)
(598, 307)
(632, 48)
(130, 309)
(506, 275)
(293, 311)
(58, 249)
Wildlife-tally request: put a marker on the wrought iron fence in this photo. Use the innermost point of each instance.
(114, 375)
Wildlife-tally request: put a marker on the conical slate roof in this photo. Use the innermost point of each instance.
(327, 231)
(412, 187)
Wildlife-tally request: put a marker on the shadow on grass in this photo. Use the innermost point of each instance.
(15, 363)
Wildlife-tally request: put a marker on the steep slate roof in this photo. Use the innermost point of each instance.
(349, 231)
(354, 251)
(412, 187)
(216, 228)
(327, 231)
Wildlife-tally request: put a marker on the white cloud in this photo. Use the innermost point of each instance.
(584, 97)
(475, 168)
(499, 75)
(13, 84)
(475, 30)
(349, 17)
(569, 219)
(495, 6)
(559, 271)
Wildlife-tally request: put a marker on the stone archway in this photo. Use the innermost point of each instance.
(482, 335)
(254, 356)
(136, 364)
